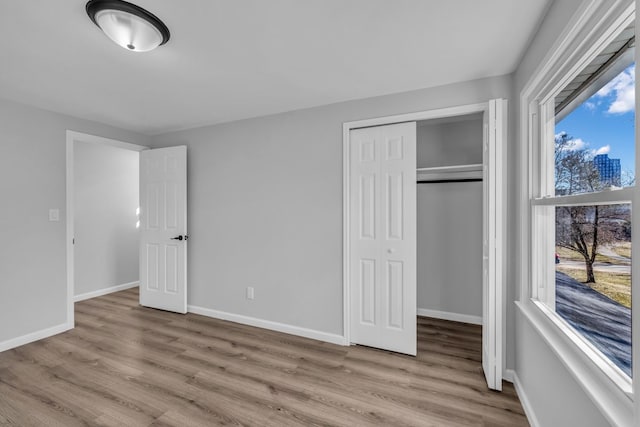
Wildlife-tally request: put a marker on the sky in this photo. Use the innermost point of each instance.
(605, 123)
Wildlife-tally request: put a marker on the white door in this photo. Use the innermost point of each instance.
(494, 132)
(383, 237)
(163, 223)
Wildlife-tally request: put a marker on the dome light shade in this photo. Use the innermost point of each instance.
(128, 25)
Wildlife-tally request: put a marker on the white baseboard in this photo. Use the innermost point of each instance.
(34, 336)
(508, 375)
(267, 324)
(445, 315)
(526, 405)
(105, 291)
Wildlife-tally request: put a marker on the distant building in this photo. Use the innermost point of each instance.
(609, 169)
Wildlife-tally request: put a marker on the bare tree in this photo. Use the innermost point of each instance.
(628, 178)
(575, 171)
(582, 229)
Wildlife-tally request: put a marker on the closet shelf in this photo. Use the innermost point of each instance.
(450, 173)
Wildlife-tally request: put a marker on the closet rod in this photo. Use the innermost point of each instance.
(438, 181)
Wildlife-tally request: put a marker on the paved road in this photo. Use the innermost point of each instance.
(597, 266)
(622, 266)
(604, 322)
(608, 252)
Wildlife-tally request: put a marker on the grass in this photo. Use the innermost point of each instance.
(615, 286)
(568, 254)
(622, 249)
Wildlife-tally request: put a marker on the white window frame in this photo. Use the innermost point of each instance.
(592, 28)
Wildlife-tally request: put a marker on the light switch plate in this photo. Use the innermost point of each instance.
(54, 214)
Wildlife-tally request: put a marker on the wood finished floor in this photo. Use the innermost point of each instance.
(133, 366)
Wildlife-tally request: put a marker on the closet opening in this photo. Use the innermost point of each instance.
(449, 221)
(424, 227)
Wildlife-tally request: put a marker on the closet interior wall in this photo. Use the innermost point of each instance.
(450, 221)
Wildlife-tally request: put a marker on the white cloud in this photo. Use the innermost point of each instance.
(622, 87)
(625, 101)
(590, 105)
(602, 150)
(576, 144)
(573, 144)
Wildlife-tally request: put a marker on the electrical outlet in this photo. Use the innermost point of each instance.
(250, 292)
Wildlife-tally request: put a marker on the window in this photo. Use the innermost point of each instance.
(578, 116)
(583, 206)
(593, 242)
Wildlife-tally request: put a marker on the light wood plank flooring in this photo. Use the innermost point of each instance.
(128, 365)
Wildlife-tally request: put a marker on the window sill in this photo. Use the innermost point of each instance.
(610, 391)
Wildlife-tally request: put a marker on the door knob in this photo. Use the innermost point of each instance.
(391, 250)
(181, 237)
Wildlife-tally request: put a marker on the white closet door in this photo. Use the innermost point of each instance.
(383, 237)
(494, 127)
(163, 220)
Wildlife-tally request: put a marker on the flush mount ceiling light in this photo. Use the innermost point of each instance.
(128, 25)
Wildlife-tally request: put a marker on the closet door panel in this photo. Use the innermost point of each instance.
(494, 126)
(365, 231)
(367, 291)
(383, 237)
(395, 300)
(367, 207)
(394, 203)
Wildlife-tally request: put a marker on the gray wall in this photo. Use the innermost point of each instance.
(450, 220)
(450, 247)
(553, 393)
(265, 210)
(451, 142)
(106, 198)
(265, 205)
(32, 180)
(555, 397)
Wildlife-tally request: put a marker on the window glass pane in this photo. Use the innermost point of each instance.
(595, 142)
(593, 276)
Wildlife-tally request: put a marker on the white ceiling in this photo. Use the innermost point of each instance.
(235, 59)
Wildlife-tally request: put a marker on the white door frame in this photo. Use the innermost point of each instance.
(346, 173)
(73, 137)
